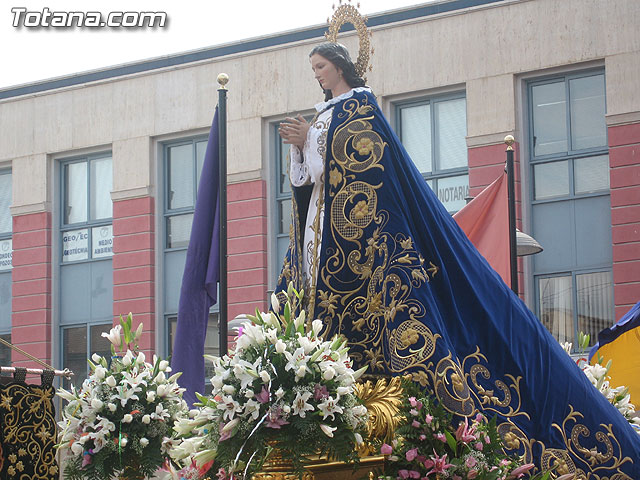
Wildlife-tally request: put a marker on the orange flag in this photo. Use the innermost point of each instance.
(485, 220)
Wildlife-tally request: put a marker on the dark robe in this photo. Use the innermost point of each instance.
(397, 276)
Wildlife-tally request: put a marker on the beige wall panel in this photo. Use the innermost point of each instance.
(244, 146)
(16, 128)
(521, 37)
(490, 105)
(92, 120)
(30, 183)
(132, 164)
(53, 124)
(622, 74)
(206, 97)
(133, 107)
(175, 101)
(265, 87)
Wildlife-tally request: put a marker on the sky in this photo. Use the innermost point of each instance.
(32, 54)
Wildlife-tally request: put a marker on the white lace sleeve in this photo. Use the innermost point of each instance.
(299, 170)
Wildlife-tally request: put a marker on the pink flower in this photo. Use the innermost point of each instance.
(464, 433)
(439, 464)
(479, 446)
(275, 420)
(413, 412)
(386, 449)
(413, 402)
(415, 424)
(521, 470)
(411, 454)
(263, 396)
(441, 437)
(487, 440)
(224, 435)
(403, 473)
(479, 417)
(423, 437)
(472, 474)
(428, 419)
(222, 475)
(414, 474)
(86, 459)
(457, 477)
(470, 462)
(320, 392)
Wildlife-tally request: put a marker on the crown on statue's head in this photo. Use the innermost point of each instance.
(347, 13)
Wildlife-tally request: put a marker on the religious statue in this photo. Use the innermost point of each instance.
(382, 262)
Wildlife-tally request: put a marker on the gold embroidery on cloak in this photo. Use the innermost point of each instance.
(387, 268)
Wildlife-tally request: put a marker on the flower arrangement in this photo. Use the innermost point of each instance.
(428, 446)
(120, 421)
(597, 374)
(284, 388)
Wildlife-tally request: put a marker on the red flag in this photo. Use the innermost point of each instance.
(485, 220)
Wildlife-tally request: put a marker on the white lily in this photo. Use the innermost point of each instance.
(114, 336)
(327, 430)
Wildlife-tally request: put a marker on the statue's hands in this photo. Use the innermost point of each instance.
(294, 131)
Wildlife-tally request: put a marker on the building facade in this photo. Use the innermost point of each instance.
(99, 171)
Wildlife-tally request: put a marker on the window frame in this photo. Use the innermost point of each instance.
(279, 197)
(436, 173)
(168, 314)
(87, 326)
(7, 236)
(89, 224)
(570, 156)
(166, 211)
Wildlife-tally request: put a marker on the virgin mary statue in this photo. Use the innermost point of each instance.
(383, 263)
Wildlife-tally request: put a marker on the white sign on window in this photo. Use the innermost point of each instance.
(6, 255)
(75, 245)
(102, 241)
(452, 192)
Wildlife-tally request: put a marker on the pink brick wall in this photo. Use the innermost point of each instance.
(624, 159)
(486, 164)
(31, 285)
(134, 264)
(247, 247)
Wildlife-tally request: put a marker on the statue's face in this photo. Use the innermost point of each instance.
(325, 72)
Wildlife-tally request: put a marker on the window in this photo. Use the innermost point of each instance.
(571, 210)
(78, 347)
(6, 253)
(86, 274)
(434, 133)
(282, 199)
(183, 162)
(87, 209)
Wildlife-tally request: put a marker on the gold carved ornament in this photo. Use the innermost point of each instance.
(347, 13)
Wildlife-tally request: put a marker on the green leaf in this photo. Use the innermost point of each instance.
(451, 442)
(287, 312)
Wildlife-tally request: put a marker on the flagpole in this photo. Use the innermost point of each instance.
(223, 78)
(513, 248)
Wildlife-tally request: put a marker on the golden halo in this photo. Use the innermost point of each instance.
(347, 13)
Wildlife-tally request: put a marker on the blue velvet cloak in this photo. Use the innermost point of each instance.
(398, 277)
